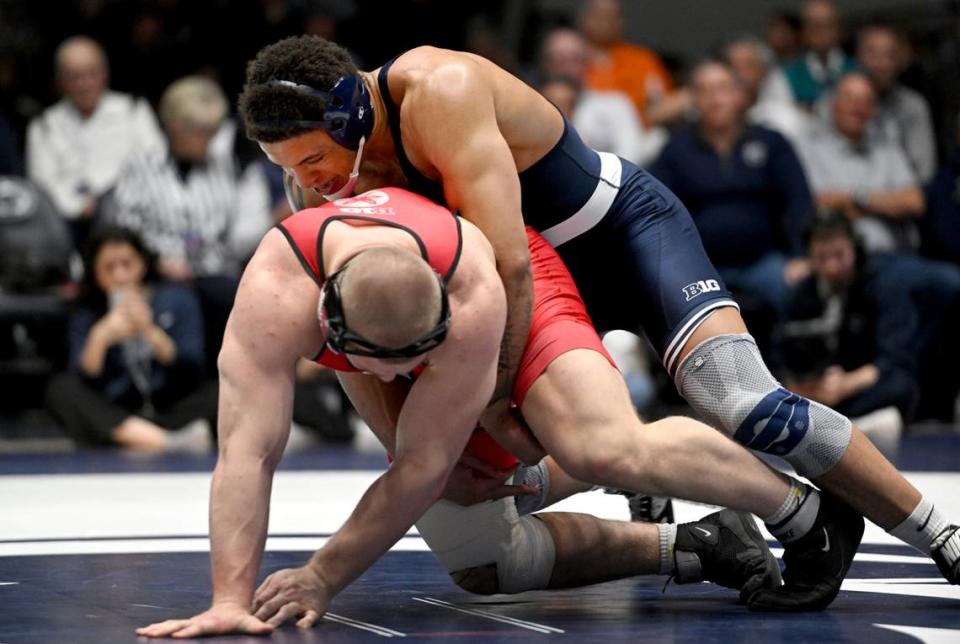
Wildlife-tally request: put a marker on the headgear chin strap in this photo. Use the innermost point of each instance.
(347, 110)
(347, 189)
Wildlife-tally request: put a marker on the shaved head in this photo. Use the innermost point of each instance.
(390, 296)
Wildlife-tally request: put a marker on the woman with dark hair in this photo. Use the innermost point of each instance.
(136, 355)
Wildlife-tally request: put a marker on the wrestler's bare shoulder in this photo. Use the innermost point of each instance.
(275, 277)
(275, 307)
(425, 63)
(432, 82)
(477, 267)
(432, 70)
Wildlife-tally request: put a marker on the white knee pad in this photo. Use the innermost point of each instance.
(491, 533)
(725, 380)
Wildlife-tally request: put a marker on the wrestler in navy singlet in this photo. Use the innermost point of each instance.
(630, 244)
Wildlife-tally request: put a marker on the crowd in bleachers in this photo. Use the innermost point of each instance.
(814, 158)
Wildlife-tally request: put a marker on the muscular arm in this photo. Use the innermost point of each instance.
(240, 493)
(436, 420)
(255, 408)
(480, 180)
(268, 330)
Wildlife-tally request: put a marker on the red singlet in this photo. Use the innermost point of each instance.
(559, 322)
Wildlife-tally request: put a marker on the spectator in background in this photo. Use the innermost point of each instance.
(606, 120)
(744, 187)
(901, 114)
(76, 147)
(769, 97)
(636, 71)
(782, 35)
(858, 327)
(867, 178)
(823, 62)
(188, 201)
(136, 356)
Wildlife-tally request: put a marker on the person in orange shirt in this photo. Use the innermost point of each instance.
(636, 71)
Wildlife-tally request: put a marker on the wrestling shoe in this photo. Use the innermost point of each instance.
(726, 548)
(650, 509)
(816, 563)
(945, 551)
(645, 508)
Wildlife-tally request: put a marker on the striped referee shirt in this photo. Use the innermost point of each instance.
(180, 215)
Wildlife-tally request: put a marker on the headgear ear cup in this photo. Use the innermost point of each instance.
(347, 112)
(353, 120)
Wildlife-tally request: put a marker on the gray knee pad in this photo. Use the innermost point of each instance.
(725, 380)
(491, 533)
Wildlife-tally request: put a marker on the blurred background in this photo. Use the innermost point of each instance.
(815, 144)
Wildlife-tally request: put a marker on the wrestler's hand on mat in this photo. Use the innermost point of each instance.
(506, 426)
(472, 481)
(220, 619)
(292, 593)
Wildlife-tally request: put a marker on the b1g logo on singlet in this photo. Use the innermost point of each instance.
(369, 203)
(699, 288)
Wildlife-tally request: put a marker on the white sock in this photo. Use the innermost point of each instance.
(921, 527)
(796, 514)
(668, 540)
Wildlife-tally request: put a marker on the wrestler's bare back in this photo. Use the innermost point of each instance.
(274, 279)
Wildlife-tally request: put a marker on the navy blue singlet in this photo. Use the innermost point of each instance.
(630, 244)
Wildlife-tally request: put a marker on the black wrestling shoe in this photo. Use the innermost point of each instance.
(817, 562)
(945, 551)
(645, 508)
(726, 548)
(650, 509)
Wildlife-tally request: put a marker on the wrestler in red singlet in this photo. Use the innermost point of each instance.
(559, 322)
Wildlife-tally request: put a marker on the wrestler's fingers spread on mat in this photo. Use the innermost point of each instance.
(265, 592)
(270, 607)
(308, 620)
(219, 620)
(162, 629)
(254, 626)
(287, 612)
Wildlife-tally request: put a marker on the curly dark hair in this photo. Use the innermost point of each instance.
(268, 111)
